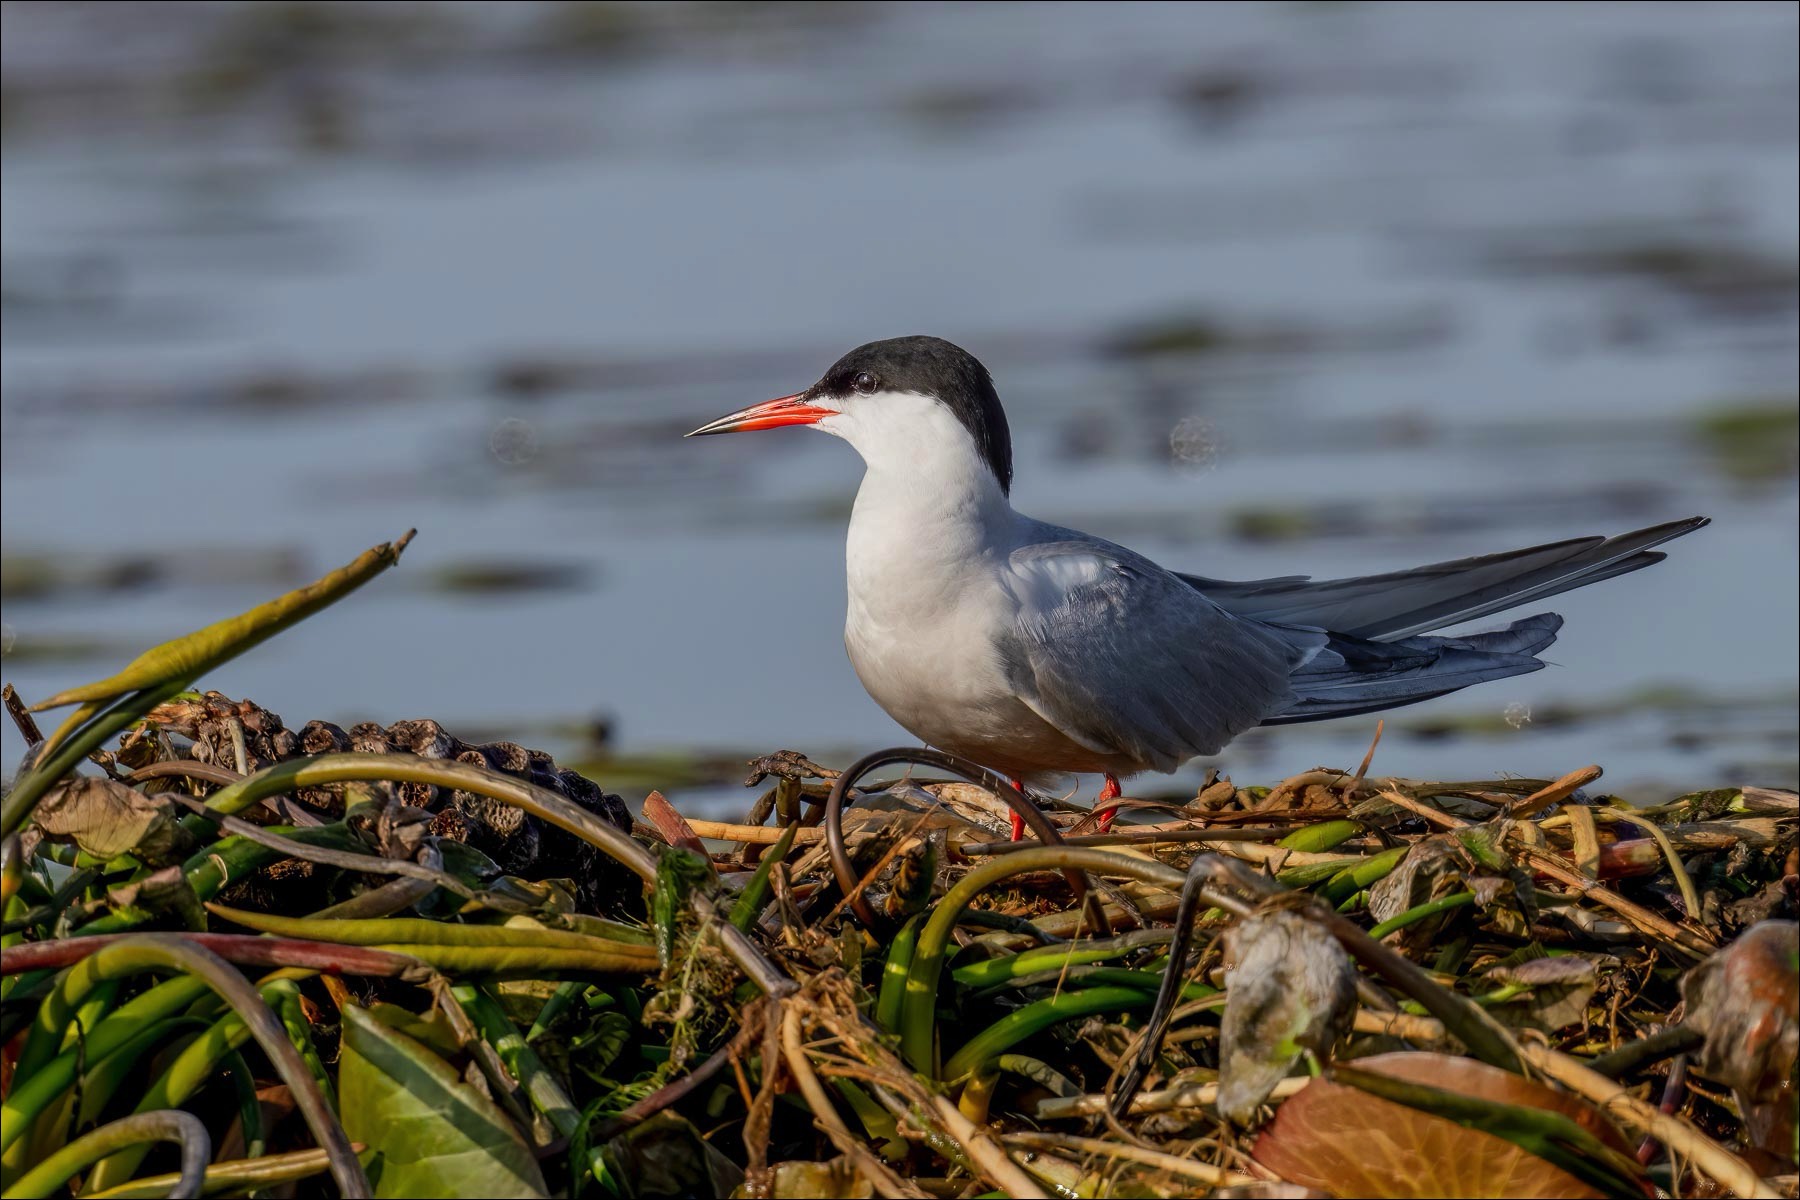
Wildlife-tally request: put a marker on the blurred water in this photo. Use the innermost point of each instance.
(1267, 288)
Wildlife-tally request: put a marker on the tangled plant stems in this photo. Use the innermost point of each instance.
(464, 1012)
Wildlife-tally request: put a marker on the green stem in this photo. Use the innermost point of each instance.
(283, 995)
(918, 1020)
(128, 1026)
(1317, 839)
(756, 892)
(990, 971)
(190, 1069)
(546, 1095)
(1420, 912)
(1355, 878)
(520, 1059)
(566, 993)
(168, 1125)
(1148, 981)
(888, 1002)
(1022, 1023)
(1485, 1037)
(240, 1176)
(144, 952)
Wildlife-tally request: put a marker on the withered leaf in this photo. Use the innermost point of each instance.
(1290, 989)
(1430, 870)
(1560, 990)
(167, 890)
(1346, 1142)
(106, 819)
(1743, 999)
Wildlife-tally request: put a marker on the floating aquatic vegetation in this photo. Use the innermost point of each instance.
(383, 960)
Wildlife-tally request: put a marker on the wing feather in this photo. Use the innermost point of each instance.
(1124, 658)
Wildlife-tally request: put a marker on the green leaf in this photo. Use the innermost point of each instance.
(678, 872)
(666, 1156)
(186, 658)
(756, 892)
(428, 1133)
(600, 1046)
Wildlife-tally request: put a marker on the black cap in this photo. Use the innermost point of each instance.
(931, 367)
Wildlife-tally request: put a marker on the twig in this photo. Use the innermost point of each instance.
(1432, 814)
(825, 1113)
(985, 1153)
(1146, 838)
(1643, 1117)
(1205, 869)
(1689, 943)
(1399, 1025)
(1671, 1100)
(1356, 779)
(1690, 898)
(1193, 1095)
(755, 835)
(674, 1091)
(1556, 793)
(1553, 865)
(21, 715)
(1664, 1043)
(342, 859)
(245, 950)
(874, 872)
(963, 769)
(1205, 1173)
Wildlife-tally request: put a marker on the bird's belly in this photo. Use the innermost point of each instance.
(944, 683)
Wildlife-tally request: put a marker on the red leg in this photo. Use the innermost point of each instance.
(1018, 822)
(1109, 790)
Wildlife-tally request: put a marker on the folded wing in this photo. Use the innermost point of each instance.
(1402, 603)
(1125, 659)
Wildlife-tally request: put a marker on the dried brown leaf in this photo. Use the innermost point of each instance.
(107, 819)
(1347, 1142)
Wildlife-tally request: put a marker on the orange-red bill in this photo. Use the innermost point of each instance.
(770, 414)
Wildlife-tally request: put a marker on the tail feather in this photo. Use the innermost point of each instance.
(1352, 675)
(1400, 604)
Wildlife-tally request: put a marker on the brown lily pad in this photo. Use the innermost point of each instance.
(1346, 1142)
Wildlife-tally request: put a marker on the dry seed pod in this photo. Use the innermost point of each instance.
(518, 842)
(322, 737)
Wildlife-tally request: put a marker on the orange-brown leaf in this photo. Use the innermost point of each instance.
(1350, 1143)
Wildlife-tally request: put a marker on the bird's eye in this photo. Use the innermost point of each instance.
(864, 383)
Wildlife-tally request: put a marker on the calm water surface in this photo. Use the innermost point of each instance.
(1268, 289)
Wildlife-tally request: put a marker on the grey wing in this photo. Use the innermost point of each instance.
(1124, 658)
(1403, 603)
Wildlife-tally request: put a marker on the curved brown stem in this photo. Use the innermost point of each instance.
(963, 769)
(1206, 868)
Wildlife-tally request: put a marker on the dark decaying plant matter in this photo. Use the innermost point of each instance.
(242, 958)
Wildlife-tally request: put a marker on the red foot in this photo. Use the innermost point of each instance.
(1109, 790)
(1018, 822)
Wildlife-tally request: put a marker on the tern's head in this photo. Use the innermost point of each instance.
(898, 402)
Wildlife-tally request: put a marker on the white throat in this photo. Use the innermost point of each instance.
(929, 503)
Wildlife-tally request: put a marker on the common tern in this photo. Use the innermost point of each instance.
(1040, 651)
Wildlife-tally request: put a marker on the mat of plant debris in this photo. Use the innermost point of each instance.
(242, 957)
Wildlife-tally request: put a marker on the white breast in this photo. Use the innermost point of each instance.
(928, 534)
